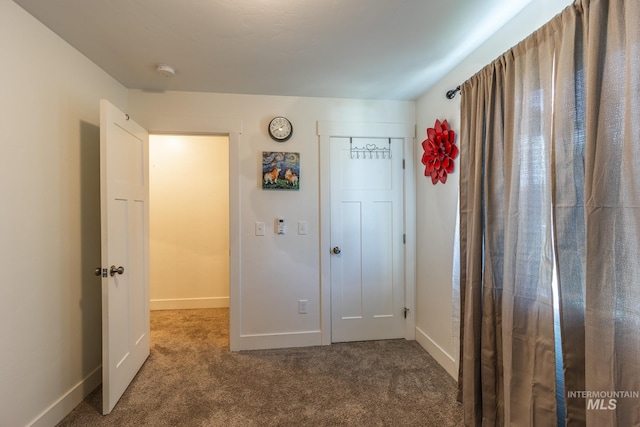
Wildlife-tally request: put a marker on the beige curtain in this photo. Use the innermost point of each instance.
(550, 188)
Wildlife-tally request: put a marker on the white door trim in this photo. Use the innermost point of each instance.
(212, 125)
(326, 130)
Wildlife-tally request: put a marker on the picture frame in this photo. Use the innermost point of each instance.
(280, 170)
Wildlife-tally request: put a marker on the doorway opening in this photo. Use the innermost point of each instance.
(188, 221)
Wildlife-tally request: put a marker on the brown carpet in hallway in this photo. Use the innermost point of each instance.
(192, 379)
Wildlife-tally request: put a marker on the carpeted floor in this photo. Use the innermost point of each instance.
(192, 379)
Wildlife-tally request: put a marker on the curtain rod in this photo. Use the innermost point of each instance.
(452, 93)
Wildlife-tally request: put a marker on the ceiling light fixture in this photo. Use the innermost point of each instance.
(166, 70)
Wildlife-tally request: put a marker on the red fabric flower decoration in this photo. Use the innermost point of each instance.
(439, 151)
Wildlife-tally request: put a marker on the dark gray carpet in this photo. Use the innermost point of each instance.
(192, 379)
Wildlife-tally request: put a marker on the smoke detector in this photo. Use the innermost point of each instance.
(165, 70)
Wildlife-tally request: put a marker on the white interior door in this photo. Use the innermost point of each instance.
(367, 264)
(124, 188)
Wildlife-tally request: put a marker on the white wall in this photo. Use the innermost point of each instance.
(276, 271)
(189, 221)
(50, 336)
(437, 204)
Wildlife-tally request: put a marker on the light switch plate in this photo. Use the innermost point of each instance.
(302, 306)
(302, 227)
(259, 228)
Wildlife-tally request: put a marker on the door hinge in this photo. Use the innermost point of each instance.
(406, 311)
(402, 163)
(404, 239)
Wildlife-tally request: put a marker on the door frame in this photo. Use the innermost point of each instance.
(212, 125)
(327, 130)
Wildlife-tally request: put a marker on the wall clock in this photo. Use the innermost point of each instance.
(280, 129)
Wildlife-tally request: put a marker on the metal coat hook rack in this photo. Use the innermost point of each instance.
(369, 151)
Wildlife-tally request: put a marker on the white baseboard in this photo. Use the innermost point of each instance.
(188, 303)
(284, 340)
(65, 404)
(437, 352)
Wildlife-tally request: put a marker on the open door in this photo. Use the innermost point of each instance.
(124, 196)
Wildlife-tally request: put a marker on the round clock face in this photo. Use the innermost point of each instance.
(280, 129)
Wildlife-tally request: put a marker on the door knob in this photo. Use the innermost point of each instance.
(98, 271)
(114, 270)
(336, 250)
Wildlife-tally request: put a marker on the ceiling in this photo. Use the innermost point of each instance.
(365, 49)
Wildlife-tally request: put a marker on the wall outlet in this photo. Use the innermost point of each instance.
(302, 306)
(259, 228)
